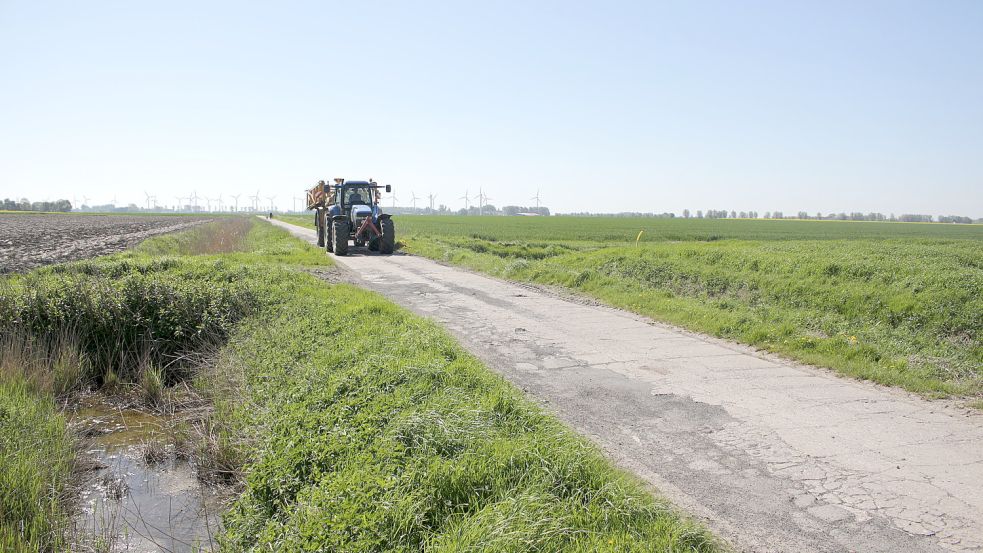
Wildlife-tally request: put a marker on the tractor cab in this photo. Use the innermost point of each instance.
(358, 199)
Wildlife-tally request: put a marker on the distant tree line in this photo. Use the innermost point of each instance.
(26, 205)
(855, 216)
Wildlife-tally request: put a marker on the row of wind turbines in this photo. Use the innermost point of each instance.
(483, 200)
(195, 203)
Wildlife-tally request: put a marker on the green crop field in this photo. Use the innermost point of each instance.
(897, 303)
(348, 423)
(622, 230)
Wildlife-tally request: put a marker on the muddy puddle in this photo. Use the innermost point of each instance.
(136, 497)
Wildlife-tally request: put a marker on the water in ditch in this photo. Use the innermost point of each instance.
(137, 497)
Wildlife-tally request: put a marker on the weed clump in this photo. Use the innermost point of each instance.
(119, 315)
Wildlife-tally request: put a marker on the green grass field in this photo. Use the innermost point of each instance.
(897, 303)
(352, 424)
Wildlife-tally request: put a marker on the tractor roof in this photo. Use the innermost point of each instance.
(357, 183)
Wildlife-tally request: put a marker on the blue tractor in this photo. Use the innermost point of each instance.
(349, 211)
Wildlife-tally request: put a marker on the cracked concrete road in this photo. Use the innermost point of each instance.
(772, 455)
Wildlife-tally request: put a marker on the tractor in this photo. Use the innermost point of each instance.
(349, 211)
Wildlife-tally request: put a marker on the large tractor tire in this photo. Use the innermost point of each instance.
(319, 223)
(374, 244)
(387, 242)
(328, 236)
(339, 237)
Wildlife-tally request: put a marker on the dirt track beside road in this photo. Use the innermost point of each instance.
(32, 240)
(771, 454)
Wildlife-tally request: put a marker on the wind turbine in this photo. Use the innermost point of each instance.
(431, 196)
(466, 199)
(536, 197)
(145, 193)
(178, 207)
(220, 202)
(208, 204)
(414, 199)
(256, 201)
(85, 200)
(271, 198)
(295, 198)
(236, 198)
(484, 201)
(394, 200)
(194, 198)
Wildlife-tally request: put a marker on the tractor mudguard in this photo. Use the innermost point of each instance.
(385, 216)
(339, 217)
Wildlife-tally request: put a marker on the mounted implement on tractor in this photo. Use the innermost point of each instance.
(350, 211)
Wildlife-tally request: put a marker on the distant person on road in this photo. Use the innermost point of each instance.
(271, 215)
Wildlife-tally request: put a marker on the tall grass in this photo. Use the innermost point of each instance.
(37, 455)
(126, 313)
(127, 318)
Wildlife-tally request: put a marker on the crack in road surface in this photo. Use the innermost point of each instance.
(770, 454)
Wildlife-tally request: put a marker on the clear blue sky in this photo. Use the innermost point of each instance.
(649, 106)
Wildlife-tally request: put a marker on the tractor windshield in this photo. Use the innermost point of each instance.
(357, 196)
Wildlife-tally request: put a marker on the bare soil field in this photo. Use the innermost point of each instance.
(29, 241)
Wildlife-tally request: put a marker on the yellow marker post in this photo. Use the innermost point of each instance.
(639, 237)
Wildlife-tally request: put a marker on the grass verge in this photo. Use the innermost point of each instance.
(852, 297)
(353, 425)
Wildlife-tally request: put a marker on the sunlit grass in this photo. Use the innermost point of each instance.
(897, 303)
(354, 425)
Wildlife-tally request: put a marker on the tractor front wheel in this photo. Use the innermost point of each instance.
(387, 242)
(339, 237)
(328, 236)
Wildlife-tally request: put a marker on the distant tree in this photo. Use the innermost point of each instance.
(685, 214)
(954, 219)
(26, 205)
(803, 215)
(915, 218)
(699, 214)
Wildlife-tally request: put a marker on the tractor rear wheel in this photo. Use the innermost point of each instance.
(319, 223)
(387, 242)
(339, 237)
